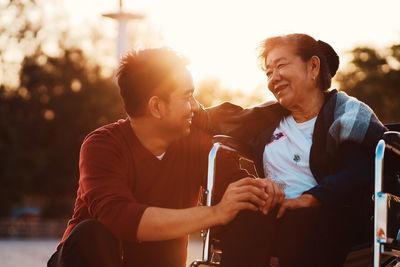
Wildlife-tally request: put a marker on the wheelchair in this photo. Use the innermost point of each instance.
(386, 236)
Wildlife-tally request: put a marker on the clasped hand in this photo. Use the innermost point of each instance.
(248, 194)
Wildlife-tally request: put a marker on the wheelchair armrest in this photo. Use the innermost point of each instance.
(392, 140)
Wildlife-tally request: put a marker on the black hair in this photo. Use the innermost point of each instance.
(144, 73)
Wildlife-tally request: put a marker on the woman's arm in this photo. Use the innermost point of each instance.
(354, 172)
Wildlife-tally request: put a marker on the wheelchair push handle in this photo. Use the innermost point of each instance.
(233, 143)
(386, 239)
(392, 141)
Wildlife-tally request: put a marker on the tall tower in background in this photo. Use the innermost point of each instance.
(122, 19)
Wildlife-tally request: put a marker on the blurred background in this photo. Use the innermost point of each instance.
(57, 62)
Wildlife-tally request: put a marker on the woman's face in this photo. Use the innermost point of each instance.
(290, 79)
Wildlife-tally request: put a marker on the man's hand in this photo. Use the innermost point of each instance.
(276, 196)
(303, 201)
(244, 194)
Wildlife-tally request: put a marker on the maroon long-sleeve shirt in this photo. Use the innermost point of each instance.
(119, 179)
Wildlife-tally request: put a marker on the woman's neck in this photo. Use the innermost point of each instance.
(309, 108)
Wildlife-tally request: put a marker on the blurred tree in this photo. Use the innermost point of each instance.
(43, 123)
(375, 79)
(20, 27)
(27, 26)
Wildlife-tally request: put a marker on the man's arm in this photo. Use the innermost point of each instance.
(106, 192)
(228, 118)
(163, 224)
(104, 186)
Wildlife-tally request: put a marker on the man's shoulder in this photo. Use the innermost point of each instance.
(109, 133)
(109, 129)
(108, 143)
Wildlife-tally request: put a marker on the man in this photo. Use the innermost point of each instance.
(140, 177)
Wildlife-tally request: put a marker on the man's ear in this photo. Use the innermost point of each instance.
(156, 107)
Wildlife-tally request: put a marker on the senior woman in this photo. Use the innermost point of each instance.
(318, 143)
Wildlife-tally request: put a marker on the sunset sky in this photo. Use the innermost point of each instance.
(220, 36)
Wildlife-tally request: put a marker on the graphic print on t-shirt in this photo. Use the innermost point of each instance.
(276, 136)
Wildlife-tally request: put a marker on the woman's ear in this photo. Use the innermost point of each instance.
(156, 107)
(314, 67)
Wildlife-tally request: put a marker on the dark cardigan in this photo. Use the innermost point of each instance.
(340, 176)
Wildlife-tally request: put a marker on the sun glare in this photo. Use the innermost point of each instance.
(221, 37)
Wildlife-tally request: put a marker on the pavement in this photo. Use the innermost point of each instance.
(36, 252)
(26, 252)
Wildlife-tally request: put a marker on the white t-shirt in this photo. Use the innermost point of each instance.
(286, 157)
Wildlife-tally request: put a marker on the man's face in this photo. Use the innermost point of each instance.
(180, 107)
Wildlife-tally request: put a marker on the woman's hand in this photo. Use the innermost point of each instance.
(303, 201)
(276, 196)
